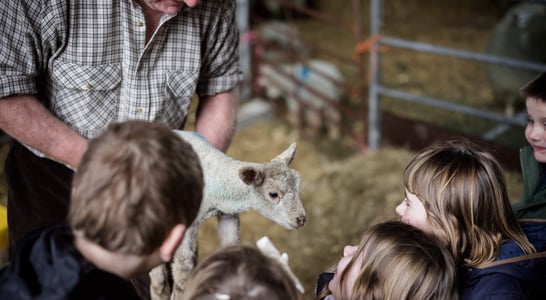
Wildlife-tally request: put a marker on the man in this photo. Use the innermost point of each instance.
(73, 67)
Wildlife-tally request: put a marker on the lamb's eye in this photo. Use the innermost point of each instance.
(273, 195)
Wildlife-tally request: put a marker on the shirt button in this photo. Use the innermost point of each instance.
(140, 23)
(87, 86)
(139, 110)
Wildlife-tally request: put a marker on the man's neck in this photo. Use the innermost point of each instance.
(152, 18)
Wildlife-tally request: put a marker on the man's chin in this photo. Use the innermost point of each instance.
(172, 9)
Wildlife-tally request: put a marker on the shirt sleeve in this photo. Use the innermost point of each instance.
(220, 69)
(28, 38)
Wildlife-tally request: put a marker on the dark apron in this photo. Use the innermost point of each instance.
(38, 192)
(39, 195)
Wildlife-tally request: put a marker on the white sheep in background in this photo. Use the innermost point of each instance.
(300, 85)
(232, 186)
(282, 40)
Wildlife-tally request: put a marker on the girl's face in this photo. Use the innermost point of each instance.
(535, 132)
(350, 276)
(412, 211)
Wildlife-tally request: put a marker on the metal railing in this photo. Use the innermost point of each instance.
(376, 89)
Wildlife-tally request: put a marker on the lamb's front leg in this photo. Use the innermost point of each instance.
(160, 286)
(184, 261)
(228, 229)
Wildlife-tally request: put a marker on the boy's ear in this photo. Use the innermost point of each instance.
(171, 242)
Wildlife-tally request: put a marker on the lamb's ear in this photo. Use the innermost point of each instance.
(287, 156)
(251, 176)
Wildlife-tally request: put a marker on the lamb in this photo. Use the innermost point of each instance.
(232, 186)
(310, 89)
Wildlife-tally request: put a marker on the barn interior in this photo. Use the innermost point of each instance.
(346, 184)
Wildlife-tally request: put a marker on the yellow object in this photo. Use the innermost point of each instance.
(3, 227)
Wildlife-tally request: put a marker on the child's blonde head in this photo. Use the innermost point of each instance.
(239, 272)
(462, 188)
(400, 261)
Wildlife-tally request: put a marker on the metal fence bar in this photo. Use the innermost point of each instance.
(439, 103)
(242, 16)
(424, 47)
(374, 134)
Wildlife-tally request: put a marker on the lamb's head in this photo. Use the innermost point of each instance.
(277, 190)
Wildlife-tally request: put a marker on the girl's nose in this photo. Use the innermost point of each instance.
(349, 250)
(400, 209)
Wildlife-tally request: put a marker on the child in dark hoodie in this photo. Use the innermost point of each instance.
(137, 189)
(532, 204)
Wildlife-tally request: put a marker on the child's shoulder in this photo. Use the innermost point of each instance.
(509, 249)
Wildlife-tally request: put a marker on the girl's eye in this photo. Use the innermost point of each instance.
(530, 121)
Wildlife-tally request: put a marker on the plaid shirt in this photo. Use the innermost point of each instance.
(89, 63)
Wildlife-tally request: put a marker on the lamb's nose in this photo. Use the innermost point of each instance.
(300, 221)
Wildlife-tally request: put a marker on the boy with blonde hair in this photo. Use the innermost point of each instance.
(138, 188)
(533, 157)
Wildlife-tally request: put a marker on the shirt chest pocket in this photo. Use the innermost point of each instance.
(86, 97)
(87, 78)
(180, 88)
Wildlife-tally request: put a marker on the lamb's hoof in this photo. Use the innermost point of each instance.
(160, 287)
(177, 293)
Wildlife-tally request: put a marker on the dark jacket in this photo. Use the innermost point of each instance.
(46, 265)
(322, 282)
(520, 277)
(532, 204)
